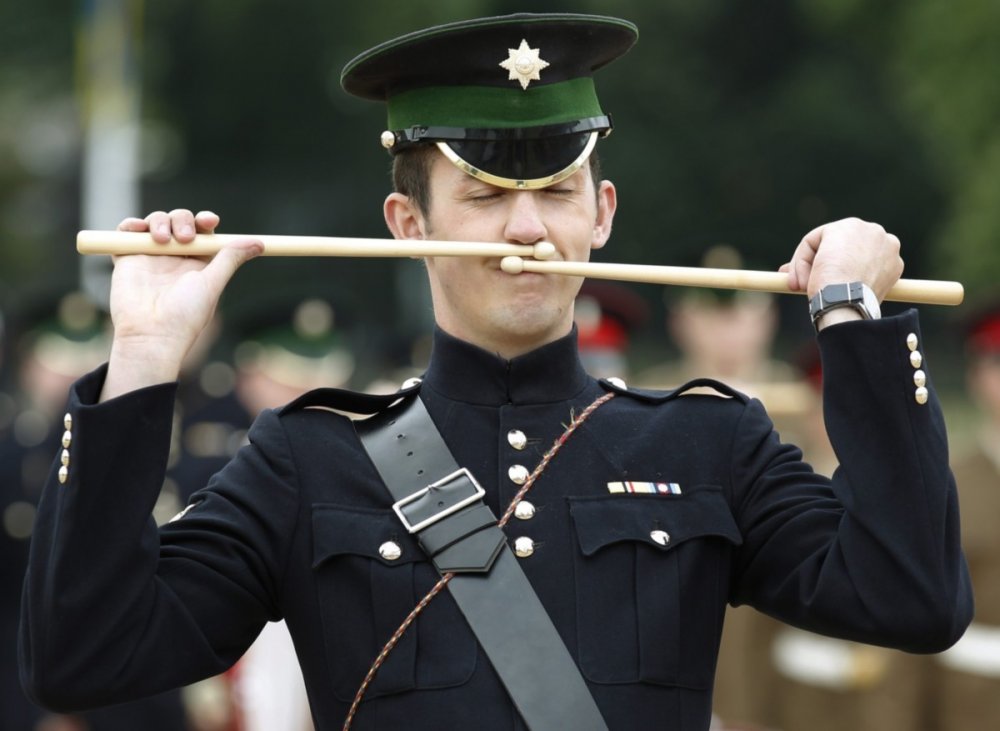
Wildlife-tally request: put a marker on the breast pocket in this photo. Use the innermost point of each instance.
(366, 589)
(651, 581)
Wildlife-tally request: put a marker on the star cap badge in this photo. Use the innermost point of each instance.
(524, 64)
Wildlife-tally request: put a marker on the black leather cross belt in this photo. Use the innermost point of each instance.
(441, 504)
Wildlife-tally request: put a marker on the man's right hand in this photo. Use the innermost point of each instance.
(160, 304)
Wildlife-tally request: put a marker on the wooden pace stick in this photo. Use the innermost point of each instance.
(133, 242)
(922, 291)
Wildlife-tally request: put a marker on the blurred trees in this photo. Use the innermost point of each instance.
(739, 122)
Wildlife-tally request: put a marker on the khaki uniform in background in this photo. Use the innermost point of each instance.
(825, 684)
(968, 675)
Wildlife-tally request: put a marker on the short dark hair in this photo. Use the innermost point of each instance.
(411, 174)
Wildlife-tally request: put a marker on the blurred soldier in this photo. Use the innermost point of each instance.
(729, 335)
(287, 349)
(969, 673)
(721, 333)
(57, 341)
(606, 314)
(210, 422)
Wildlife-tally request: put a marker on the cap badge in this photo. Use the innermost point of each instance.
(524, 64)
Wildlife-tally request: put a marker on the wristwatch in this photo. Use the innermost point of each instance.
(852, 294)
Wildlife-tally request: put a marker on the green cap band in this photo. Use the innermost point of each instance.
(489, 107)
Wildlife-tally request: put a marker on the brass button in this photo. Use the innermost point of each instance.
(921, 395)
(390, 551)
(388, 139)
(63, 474)
(518, 474)
(67, 439)
(64, 457)
(617, 382)
(68, 421)
(524, 510)
(523, 547)
(916, 359)
(911, 341)
(919, 378)
(660, 537)
(517, 439)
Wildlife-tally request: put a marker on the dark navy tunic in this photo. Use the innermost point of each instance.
(292, 528)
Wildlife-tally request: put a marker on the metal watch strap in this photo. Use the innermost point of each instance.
(489, 587)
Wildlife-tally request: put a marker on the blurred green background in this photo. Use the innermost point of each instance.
(737, 122)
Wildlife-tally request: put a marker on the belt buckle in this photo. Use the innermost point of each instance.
(451, 509)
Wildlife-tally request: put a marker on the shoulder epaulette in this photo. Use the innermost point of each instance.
(354, 402)
(696, 385)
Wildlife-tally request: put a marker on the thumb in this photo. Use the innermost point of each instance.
(231, 257)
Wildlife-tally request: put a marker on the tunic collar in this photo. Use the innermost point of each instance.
(464, 372)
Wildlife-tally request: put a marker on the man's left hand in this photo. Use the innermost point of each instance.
(849, 250)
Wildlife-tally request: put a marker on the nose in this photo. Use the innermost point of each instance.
(524, 220)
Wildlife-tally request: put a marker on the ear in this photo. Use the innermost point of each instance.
(607, 203)
(403, 217)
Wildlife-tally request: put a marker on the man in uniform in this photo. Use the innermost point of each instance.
(596, 599)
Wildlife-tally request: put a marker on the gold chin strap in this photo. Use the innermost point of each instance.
(534, 183)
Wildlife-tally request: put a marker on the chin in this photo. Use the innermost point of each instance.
(531, 322)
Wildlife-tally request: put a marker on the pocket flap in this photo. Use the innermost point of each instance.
(659, 521)
(340, 530)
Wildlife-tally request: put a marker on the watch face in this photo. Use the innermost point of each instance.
(871, 302)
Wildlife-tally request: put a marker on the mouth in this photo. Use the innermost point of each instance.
(512, 265)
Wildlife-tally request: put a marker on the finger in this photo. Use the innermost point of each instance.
(230, 258)
(182, 224)
(802, 259)
(786, 268)
(205, 222)
(133, 224)
(159, 226)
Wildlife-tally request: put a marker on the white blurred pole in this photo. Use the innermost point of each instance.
(109, 88)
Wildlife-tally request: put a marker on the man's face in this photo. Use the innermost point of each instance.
(475, 300)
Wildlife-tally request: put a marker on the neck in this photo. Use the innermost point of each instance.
(506, 345)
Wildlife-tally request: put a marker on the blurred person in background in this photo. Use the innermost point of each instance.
(967, 678)
(723, 334)
(729, 335)
(287, 346)
(606, 314)
(210, 421)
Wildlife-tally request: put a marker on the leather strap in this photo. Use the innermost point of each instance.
(489, 587)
